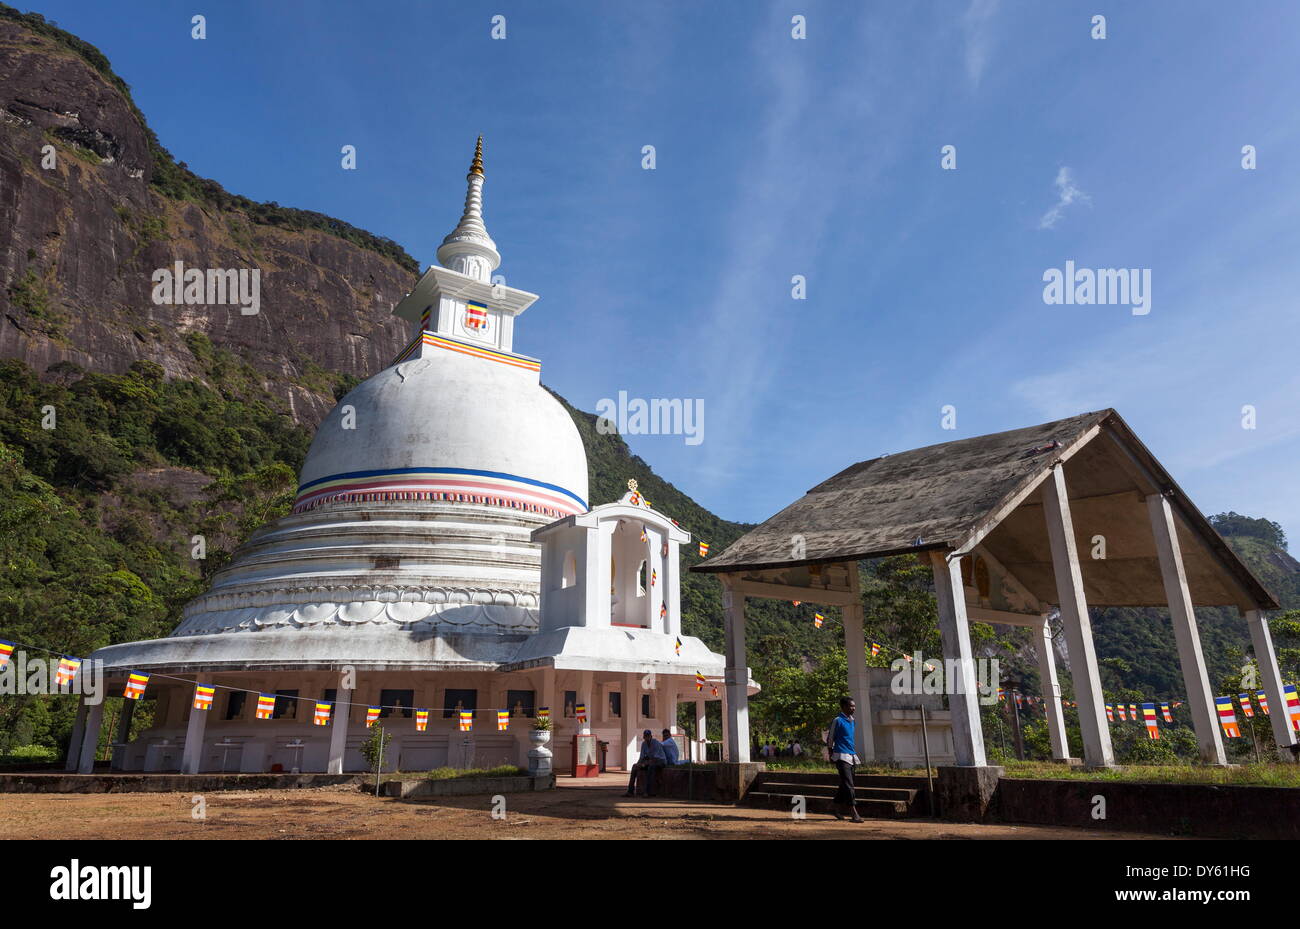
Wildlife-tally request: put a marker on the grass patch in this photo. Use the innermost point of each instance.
(1256, 775)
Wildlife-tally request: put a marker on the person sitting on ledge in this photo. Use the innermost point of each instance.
(651, 760)
(671, 755)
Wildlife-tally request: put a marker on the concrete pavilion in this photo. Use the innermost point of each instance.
(441, 555)
(1002, 519)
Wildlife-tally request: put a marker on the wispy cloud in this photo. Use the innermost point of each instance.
(1067, 194)
(978, 36)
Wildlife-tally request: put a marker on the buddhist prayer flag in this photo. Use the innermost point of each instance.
(1149, 717)
(265, 706)
(466, 720)
(1002, 694)
(1019, 700)
(715, 690)
(1292, 705)
(135, 685)
(581, 711)
(654, 576)
(699, 681)
(203, 697)
(704, 549)
(797, 602)
(322, 714)
(818, 619)
(1227, 718)
(67, 670)
(678, 647)
(544, 714)
(1169, 716)
(663, 612)
(475, 315)
(1110, 713)
(1133, 711)
(875, 649)
(421, 720)
(1122, 714)
(1263, 701)
(644, 537)
(1246, 708)
(503, 720)
(372, 713)
(6, 651)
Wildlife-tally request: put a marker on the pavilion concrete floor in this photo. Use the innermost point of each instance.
(594, 808)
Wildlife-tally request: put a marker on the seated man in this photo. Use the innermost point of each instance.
(671, 754)
(650, 761)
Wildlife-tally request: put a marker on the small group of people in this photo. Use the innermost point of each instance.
(655, 755)
(792, 749)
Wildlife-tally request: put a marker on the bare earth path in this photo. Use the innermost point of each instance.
(594, 809)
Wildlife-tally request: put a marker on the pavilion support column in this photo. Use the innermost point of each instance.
(736, 677)
(192, 755)
(586, 697)
(124, 721)
(1271, 682)
(855, 646)
(549, 694)
(1195, 677)
(1097, 751)
(630, 704)
(90, 739)
(79, 732)
(1052, 695)
(342, 716)
(954, 631)
(701, 729)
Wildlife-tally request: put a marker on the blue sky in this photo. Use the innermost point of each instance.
(818, 157)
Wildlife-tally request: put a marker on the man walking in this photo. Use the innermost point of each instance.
(843, 755)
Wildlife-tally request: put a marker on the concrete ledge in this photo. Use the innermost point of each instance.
(965, 793)
(731, 779)
(1209, 810)
(164, 783)
(463, 786)
(691, 782)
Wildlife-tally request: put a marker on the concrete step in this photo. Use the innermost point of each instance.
(907, 795)
(869, 807)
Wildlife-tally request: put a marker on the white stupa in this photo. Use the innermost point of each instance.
(409, 575)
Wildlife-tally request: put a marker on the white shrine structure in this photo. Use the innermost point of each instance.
(441, 556)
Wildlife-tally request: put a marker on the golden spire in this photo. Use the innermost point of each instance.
(477, 166)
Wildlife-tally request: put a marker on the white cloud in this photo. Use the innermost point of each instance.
(978, 38)
(1067, 193)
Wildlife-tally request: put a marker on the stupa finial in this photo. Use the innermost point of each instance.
(468, 248)
(477, 166)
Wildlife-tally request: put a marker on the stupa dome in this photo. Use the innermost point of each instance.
(451, 427)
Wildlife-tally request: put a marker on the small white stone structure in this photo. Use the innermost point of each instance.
(440, 555)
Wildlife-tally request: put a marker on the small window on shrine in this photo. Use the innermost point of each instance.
(396, 703)
(646, 709)
(520, 702)
(570, 704)
(615, 705)
(330, 695)
(641, 580)
(454, 701)
(570, 576)
(235, 705)
(286, 705)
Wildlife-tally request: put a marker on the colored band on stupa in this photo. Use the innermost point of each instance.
(451, 485)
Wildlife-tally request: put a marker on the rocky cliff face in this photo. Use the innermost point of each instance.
(83, 228)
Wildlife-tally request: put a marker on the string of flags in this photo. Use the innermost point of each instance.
(819, 620)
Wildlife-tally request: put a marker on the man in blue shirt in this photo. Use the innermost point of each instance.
(843, 755)
(671, 755)
(650, 761)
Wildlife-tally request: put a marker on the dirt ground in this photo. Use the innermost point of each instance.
(590, 809)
